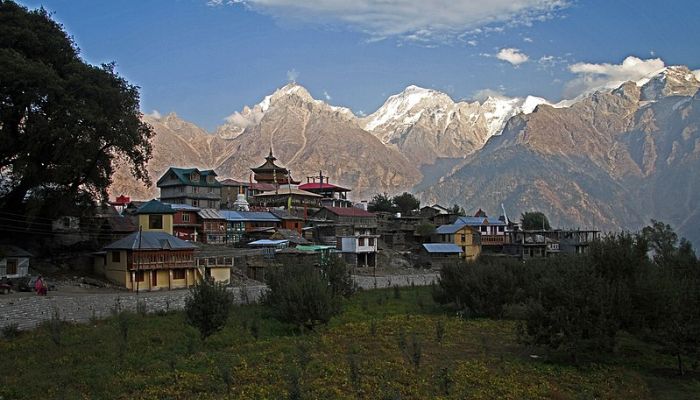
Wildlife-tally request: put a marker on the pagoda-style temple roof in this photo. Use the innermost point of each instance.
(270, 172)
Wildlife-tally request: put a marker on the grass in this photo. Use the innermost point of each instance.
(367, 352)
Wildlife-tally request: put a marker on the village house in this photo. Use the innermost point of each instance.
(14, 261)
(546, 243)
(492, 230)
(288, 220)
(155, 216)
(436, 255)
(186, 224)
(190, 186)
(149, 260)
(466, 237)
(353, 230)
(213, 226)
(242, 223)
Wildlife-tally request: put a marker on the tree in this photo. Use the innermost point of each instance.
(301, 295)
(381, 202)
(406, 202)
(64, 123)
(425, 230)
(207, 307)
(534, 220)
(339, 277)
(458, 210)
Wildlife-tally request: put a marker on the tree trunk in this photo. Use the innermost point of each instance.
(681, 372)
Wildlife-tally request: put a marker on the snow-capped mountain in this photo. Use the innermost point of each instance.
(426, 124)
(237, 122)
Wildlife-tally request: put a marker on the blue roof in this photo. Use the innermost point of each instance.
(477, 221)
(442, 248)
(244, 216)
(449, 229)
(268, 242)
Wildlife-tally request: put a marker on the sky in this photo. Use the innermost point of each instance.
(206, 59)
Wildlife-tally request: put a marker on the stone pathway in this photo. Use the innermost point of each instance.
(27, 312)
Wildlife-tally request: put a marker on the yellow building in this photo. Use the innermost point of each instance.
(155, 216)
(155, 261)
(467, 238)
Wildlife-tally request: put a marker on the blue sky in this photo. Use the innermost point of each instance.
(206, 59)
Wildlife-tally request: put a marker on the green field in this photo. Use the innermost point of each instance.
(381, 347)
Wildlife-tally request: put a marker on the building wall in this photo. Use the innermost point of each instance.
(116, 271)
(469, 241)
(221, 274)
(167, 223)
(22, 267)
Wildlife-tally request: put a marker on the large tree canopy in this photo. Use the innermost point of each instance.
(534, 220)
(64, 123)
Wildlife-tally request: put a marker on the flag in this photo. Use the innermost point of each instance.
(289, 203)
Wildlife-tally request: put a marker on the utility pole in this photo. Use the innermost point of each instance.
(138, 259)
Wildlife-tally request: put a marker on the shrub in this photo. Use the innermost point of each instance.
(481, 289)
(10, 331)
(207, 307)
(302, 295)
(339, 277)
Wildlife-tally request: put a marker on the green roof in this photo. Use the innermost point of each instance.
(155, 207)
(183, 175)
(314, 247)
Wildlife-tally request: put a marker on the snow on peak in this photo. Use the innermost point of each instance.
(404, 106)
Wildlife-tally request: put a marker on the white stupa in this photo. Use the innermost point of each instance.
(241, 204)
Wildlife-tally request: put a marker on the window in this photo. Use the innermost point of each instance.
(500, 228)
(116, 256)
(362, 241)
(178, 274)
(182, 189)
(185, 217)
(464, 238)
(11, 268)
(155, 221)
(371, 241)
(195, 203)
(483, 228)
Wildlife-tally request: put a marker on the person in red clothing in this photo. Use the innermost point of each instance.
(40, 286)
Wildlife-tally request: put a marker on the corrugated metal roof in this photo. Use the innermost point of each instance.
(268, 242)
(442, 248)
(244, 216)
(349, 211)
(449, 229)
(186, 207)
(476, 221)
(210, 213)
(150, 241)
(322, 186)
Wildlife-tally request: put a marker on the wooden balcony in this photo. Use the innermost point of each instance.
(493, 240)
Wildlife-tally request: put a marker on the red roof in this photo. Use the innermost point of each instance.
(322, 186)
(349, 212)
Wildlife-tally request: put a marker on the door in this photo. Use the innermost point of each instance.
(154, 278)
